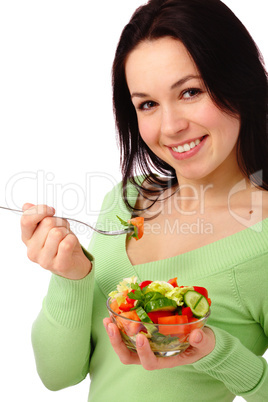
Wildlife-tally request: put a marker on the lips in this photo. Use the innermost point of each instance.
(187, 146)
(187, 149)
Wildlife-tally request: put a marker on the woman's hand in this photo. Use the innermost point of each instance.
(202, 343)
(51, 244)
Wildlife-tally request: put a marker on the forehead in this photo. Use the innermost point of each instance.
(162, 59)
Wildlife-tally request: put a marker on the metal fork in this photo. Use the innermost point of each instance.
(104, 232)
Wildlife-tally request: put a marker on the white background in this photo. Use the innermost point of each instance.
(58, 147)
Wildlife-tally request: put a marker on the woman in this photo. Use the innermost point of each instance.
(190, 100)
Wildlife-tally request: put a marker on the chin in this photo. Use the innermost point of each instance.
(193, 175)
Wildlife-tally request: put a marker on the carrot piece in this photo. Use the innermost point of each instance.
(130, 327)
(138, 223)
(114, 306)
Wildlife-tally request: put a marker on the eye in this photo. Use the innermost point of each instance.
(148, 105)
(191, 93)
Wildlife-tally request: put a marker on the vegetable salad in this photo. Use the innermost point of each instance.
(156, 307)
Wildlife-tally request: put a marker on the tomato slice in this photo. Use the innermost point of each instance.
(172, 329)
(154, 315)
(181, 319)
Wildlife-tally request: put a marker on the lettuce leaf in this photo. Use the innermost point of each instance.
(176, 294)
(160, 287)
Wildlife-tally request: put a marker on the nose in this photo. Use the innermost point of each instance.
(173, 121)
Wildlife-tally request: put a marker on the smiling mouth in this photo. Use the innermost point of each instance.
(187, 146)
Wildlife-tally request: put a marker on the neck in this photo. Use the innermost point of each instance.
(212, 191)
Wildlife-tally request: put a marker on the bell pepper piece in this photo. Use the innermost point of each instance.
(201, 290)
(187, 311)
(173, 282)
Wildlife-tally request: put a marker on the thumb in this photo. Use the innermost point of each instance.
(203, 340)
(197, 338)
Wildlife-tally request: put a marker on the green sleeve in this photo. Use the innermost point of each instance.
(61, 332)
(244, 372)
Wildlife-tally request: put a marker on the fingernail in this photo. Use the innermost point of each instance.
(110, 330)
(198, 337)
(51, 210)
(105, 324)
(139, 341)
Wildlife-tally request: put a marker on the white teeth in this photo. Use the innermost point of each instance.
(186, 147)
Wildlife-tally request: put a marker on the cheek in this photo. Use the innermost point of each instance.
(148, 131)
(229, 127)
(207, 115)
(225, 127)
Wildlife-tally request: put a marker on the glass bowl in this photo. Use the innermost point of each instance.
(165, 339)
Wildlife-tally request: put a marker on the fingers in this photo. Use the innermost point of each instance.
(125, 355)
(196, 337)
(202, 342)
(66, 249)
(46, 238)
(51, 244)
(48, 244)
(27, 206)
(147, 358)
(44, 235)
(144, 355)
(32, 216)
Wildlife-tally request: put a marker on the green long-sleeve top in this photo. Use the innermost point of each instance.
(69, 339)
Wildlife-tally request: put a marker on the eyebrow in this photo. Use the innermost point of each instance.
(177, 84)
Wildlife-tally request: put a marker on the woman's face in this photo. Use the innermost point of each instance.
(177, 118)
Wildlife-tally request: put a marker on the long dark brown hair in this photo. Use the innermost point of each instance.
(232, 70)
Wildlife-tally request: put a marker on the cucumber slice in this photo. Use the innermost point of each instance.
(197, 303)
(143, 315)
(147, 322)
(163, 304)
